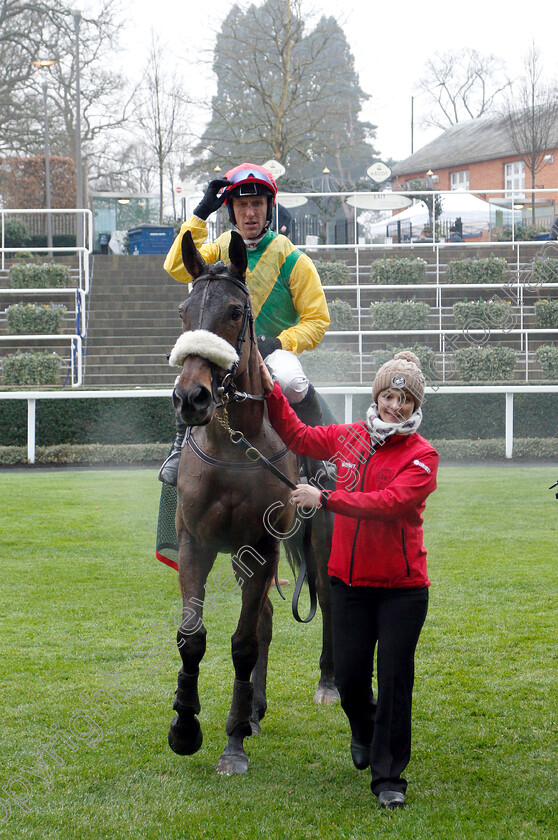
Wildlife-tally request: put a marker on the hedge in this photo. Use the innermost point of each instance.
(459, 415)
(477, 270)
(83, 421)
(329, 367)
(151, 420)
(485, 364)
(399, 315)
(426, 356)
(16, 233)
(393, 271)
(489, 449)
(35, 318)
(478, 314)
(32, 368)
(33, 276)
(546, 312)
(341, 315)
(333, 273)
(545, 269)
(548, 360)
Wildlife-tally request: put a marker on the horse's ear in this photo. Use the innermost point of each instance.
(191, 257)
(237, 254)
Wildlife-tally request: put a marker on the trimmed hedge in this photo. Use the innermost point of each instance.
(545, 269)
(477, 270)
(490, 449)
(16, 233)
(329, 367)
(485, 364)
(426, 355)
(341, 315)
(32, 368)
(475, 416)
(95, 453)
(125, 422)
(399, 315)
(35, 318)
(333, 273)
(83, 421)
(475, 314)
(548, 360)
(546, 312)
(393, 271)
(33, 276)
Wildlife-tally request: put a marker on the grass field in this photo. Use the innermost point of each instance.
(86, 606)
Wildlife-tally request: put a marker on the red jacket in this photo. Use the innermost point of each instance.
(378, 500)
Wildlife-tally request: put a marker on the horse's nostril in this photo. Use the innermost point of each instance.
(199, 398)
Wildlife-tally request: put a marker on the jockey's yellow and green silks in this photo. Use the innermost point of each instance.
(287, 296)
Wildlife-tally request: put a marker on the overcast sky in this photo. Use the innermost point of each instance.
(390, 43)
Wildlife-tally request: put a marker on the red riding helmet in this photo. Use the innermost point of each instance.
(251, 179)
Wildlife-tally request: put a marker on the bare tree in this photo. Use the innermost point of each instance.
(161, 115)
(531, 117)
(45, 29)
(461, 85)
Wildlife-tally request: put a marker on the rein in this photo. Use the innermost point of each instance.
(228, 393)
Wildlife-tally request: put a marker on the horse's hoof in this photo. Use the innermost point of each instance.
(256, 728)
(183, 742)
(232, 762)
(326, 696)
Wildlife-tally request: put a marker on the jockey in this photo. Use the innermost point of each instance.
(288, 300)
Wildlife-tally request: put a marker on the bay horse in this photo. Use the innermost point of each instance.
(222, 506)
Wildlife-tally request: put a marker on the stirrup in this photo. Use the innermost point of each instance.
(168, 473)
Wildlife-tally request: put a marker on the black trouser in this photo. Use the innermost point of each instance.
(363, 617)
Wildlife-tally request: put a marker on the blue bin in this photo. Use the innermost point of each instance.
(150, 239)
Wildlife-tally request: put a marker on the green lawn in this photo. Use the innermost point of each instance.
(86, 604)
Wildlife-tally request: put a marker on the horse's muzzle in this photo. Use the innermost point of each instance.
(194, 405)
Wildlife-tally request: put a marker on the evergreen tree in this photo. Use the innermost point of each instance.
(286, 93)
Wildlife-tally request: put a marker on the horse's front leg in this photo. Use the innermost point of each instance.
(250, 644)
(185, 734)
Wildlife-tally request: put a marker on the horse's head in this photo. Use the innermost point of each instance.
(218, 333)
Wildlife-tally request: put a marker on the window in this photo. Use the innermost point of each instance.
(515, 179)
(460, 180)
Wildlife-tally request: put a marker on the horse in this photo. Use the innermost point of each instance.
(226, 504)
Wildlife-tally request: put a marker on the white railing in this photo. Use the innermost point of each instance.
(508, 390)
(76, 351)
(84, 221)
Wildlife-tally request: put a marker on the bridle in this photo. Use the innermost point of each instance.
(227, 390)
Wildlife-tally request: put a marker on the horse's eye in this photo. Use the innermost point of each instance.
(236, 313)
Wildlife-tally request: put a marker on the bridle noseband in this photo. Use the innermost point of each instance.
(226, 389)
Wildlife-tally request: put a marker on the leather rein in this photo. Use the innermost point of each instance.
(228, 393)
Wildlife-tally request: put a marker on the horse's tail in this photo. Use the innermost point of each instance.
(309, 532)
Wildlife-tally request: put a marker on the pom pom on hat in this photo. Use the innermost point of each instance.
(402, 372)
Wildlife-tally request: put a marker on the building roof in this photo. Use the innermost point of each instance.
(465, 142)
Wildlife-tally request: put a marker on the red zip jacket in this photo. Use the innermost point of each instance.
(378, 500)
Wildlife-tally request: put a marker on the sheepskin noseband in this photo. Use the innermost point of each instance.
(205, 344)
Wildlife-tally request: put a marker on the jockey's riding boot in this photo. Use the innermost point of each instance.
(309, 410)
(168, 473)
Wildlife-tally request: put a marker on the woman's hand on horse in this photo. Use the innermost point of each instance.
(267, 380)
(306, 496)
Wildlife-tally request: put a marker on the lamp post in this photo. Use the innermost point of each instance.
(76, 14)
(41, 64)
